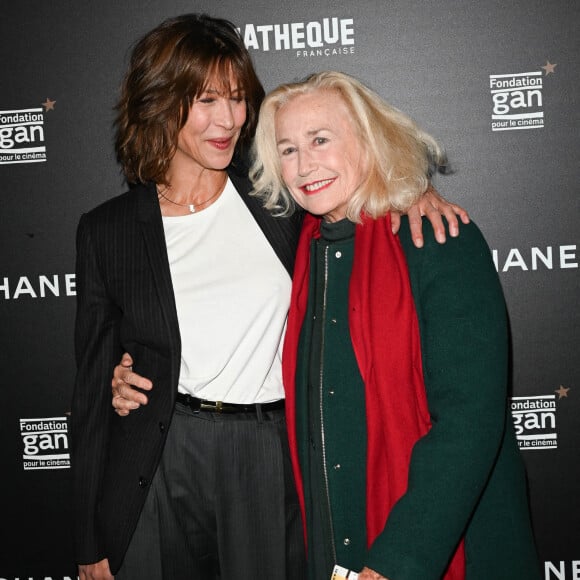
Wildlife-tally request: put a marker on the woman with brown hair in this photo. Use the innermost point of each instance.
(190, 275)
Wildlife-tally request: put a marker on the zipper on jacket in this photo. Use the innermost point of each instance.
(321, 394)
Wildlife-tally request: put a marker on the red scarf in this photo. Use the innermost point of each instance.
(385, 336)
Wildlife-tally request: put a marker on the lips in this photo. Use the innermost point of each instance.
(316, 186)
(222, 144)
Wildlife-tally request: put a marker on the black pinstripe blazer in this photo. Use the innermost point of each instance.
(125, 302)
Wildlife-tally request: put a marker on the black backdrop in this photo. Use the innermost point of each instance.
(495, 82)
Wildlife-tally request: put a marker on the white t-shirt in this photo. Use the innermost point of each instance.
(232, 295)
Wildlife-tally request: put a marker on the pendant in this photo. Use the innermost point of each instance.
(191, 208)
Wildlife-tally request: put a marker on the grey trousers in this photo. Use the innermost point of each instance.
(222, 504)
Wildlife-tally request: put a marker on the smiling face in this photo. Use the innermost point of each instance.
(212, 129)
(321, 156)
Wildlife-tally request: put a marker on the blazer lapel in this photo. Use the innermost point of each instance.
(151, 225)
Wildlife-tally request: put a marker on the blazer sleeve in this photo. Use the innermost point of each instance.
(463, 325)
(97, 349)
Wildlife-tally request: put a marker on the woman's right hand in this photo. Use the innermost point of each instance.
(98, 571)
(126, 397)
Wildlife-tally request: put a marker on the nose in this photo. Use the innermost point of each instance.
(225, 116)
(306, 162)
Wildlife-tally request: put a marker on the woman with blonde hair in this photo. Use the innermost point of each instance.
(395, 359)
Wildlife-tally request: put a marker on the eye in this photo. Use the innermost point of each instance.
(287, 151)
(320, 140)
(206, 100)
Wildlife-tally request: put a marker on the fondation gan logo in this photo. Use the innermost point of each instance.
(517, 99)
(325, 37)
(535, 420)
(45, 443)
(22, 134)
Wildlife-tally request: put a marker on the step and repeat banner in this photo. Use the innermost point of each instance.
(495, 82)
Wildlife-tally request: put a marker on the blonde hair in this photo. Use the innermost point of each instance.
(400, 156)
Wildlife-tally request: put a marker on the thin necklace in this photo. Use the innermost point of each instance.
(192, 206)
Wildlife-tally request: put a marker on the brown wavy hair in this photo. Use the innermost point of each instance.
(169, 67)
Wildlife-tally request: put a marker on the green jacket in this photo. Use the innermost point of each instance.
(453, 313)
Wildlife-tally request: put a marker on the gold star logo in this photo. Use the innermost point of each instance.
(48, 105)
(562, 392)
(549, 68)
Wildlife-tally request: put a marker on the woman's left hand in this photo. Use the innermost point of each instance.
(368, 574)
(433, 207)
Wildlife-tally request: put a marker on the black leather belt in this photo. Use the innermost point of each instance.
(197, 405)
